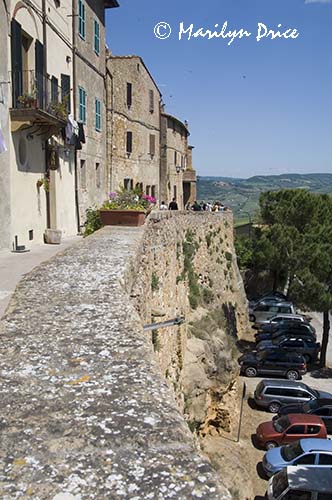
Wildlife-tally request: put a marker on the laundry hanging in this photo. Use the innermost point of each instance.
(3, 147)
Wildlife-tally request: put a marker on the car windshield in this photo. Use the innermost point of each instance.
(279, 483)
(291, 451)
(281, 424)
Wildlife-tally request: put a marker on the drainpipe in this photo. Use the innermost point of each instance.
(77, 206)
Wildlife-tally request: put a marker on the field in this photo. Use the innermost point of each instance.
(242, 195)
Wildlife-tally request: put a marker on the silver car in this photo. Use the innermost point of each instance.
(266, 310)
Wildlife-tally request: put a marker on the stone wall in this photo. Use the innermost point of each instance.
(188, 268)
(90, 75)
(5, 214)
(86, 411)
(141, 118)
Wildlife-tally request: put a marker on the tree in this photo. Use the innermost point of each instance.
(295, 244)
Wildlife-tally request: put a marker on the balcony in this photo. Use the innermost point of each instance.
(37, 101)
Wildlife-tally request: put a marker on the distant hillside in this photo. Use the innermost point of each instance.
(243, 194)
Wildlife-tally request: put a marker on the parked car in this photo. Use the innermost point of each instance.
(266, 310)
(271, 296)
(320, 407)
(305, 346)
(276, 362)
(302, 329)
(309, 452)
(271, 325)
(289, 428)
(273, 394)
(300, 483)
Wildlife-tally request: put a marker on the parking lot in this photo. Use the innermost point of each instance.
(252, 417)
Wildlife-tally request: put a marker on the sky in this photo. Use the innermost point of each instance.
(253, 107)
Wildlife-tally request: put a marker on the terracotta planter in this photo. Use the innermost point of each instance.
(122, 217)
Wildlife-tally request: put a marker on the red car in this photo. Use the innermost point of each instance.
(289, 428)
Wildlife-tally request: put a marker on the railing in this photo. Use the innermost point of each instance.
(31, 90)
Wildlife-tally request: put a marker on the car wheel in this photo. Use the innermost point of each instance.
(250, 371)
(292, 375)
(252, 318)
(270, 444)
(274, 407)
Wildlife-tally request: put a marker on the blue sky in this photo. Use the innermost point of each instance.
(253, 107)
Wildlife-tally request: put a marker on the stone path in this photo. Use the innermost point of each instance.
(14, 265)
(85, 412)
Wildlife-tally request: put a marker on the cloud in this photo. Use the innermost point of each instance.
(318, 1)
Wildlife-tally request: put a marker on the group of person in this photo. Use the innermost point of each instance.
(195, 207)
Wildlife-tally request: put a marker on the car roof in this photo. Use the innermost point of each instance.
(315, 444)
(317, 478)
(279, 303)
(288, 316)
(284, 383)
(300, 418)
(324, 402)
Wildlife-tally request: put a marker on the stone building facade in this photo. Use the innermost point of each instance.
(90, 100)
(5, 214)
(40, 185)
(177, 177)
(133, 125)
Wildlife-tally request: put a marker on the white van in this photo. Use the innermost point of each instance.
(301, 483)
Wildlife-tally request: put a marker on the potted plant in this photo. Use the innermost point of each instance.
(28, 99)
(126, 208)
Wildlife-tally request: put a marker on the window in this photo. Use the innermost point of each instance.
(153, 192)
(325, 459)
(152, 145)
(82, 104)
(65, 91)
(83, 174)
(98, 115)
(54, 90)
(81, 18)
(175, 157)
(308, 459)
(297, 495)
(313, 429)
(147, 191)
(98, 175)
(96, 43)
(322, 412)
(174, 192)
(129, 142)
(128, 183)
(296, 429)
(151, 101)
(129, 94)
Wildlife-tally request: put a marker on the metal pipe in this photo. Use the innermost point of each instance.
(164, 324)
(77, 206)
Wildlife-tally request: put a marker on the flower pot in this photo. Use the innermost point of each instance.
(52, 236)
(122, 217)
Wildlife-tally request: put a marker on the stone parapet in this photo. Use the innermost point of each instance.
(85, 410)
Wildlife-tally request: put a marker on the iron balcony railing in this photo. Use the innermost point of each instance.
(31, 90)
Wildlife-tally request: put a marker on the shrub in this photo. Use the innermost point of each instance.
(93, 221)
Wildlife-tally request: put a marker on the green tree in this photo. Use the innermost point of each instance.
(295, 245)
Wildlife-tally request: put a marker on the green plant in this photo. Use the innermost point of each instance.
(92, 222)
(229, 256)
(155, 340)
(208, 239)
(60, 109)
(207, 295)
(125, 199)
(154, 282)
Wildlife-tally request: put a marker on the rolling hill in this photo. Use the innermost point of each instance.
(242, 195)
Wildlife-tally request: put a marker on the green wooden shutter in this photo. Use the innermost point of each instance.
(39, 64)
(16, 55)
